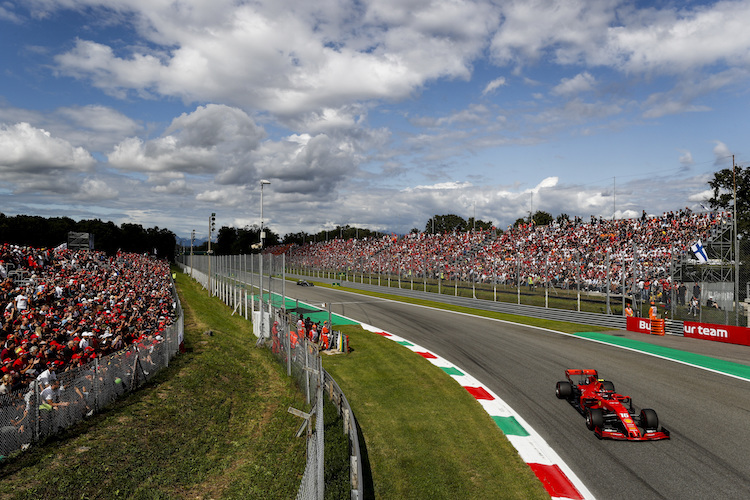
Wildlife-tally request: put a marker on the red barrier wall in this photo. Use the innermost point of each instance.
(706, 331)
(717, 333)
(641, 325)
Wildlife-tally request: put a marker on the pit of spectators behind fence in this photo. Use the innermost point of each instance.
(78, 329)
(26, 416)
(237, 281)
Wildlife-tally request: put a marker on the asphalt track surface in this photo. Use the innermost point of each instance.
(708, 414)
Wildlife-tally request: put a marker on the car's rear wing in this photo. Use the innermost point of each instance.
(586, 372)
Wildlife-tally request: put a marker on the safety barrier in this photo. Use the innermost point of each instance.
(657, 327)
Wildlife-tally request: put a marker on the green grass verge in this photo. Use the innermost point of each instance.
(214, 424)
(426, 436)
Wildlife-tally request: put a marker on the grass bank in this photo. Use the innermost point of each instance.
(426, 436)
(214, 424)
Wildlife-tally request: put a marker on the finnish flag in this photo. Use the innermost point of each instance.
(699, 252)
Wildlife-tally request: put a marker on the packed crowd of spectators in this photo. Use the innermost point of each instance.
(566, 254)
(62, 309)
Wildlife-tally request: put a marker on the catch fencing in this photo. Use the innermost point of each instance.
(238, 281)
(26, 418)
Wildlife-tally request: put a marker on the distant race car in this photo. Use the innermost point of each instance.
(304, 283)
(609, 414)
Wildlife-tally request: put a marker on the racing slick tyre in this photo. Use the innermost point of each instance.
(564, 390)
(594, 418)
(649, 420)
(608, 385)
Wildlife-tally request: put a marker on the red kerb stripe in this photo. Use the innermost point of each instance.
(479, 393)
(555, 481)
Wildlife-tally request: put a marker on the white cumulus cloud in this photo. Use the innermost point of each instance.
(28, 150)
(494, 85)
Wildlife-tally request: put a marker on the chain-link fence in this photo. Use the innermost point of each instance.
(32, 414)
(254, 286)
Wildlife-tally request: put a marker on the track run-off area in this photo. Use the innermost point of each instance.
(699, 389)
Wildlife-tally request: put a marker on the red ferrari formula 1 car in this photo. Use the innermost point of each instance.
(609, 414)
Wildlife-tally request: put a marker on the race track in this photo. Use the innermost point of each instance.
(707, 413)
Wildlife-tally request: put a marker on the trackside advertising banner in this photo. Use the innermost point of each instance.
(706, 331)
(719, 333)
(641, 325)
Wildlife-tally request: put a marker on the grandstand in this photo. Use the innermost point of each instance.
(628, 255)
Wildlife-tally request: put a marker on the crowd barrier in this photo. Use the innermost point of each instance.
(26, 419)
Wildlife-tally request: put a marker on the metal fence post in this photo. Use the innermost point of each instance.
(546, 282)
(288, 346)
(578, 280)
(320, 430)
(518, 281)
(608, 283)
(303, 342)
(95, 384)
(635, 286)
(34, 413)
(622, 285)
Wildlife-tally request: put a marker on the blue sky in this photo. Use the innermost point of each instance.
(377, 114)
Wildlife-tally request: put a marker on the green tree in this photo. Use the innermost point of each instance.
(542, 218)
(40, 232)
(446, 224)
(132, 238)
(723, 184)
(297, 238)
(478, 224)
(226, 241)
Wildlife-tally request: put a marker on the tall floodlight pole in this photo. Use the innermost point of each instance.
(192, 242)
(262, 229)
(211, 227)
(262, 241)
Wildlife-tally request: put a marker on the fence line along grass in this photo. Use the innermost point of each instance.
(559, 298)
(426, 436)
(214, 424)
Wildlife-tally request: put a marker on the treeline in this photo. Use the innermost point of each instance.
(40, 232)
(345, 232)
(238, 241)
